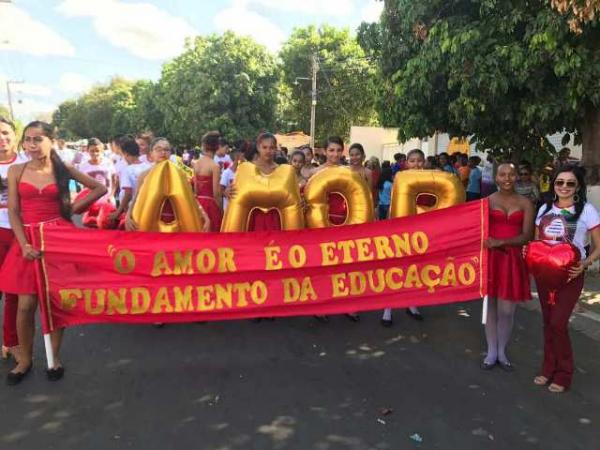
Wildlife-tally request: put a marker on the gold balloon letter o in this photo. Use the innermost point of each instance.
(166, 182)
(409, 184)
(255, 190)
(342, 181)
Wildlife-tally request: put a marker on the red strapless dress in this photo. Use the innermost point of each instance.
(206, 198)
(17, 275)
(508, 277)
(338, 209)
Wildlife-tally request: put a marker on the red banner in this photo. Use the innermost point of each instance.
(92, 276)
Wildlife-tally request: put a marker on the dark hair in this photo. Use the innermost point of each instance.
(129, 145)
(211, 141)
(386, 175)
(222, 141)
(416, 151)
(281, 160)
(334, 140)
(61, 172)
(265, 135)
(94, 141)
(298, 153)
(8, 122)
(397, 156)
(386, 163)
(475, 160)
(358, 146)
(579, 173)
(145, 136)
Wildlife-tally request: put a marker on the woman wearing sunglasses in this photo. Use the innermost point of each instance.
(567, 216)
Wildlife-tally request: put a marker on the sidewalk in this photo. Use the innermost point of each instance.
(586, 317)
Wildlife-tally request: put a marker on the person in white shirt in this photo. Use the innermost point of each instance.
(129, 177)
(567, 217)
(100, 168)
(143, 141)
(65, 153)
(221, 156)
(8, 157)
(228, 175)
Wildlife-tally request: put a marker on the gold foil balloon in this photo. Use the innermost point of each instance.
(165, 182)
(343, 181)
(409, 184)
(255, 190)
(189, 172)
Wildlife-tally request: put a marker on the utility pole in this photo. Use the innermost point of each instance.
(313, 104)
(9, 97)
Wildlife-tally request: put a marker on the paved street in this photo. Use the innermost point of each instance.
(299, 384)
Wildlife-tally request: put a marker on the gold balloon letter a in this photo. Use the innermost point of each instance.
(342, 181)
(165, 182)
(409, 184)
(255, 190)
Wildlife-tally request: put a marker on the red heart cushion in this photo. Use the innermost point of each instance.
(549, 264)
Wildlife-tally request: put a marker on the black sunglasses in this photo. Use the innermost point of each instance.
(569, 184)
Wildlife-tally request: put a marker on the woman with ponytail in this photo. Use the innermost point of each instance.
(568, 217)
(38, 192)
(8, 157)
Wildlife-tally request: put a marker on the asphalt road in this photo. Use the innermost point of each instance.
(299, 384)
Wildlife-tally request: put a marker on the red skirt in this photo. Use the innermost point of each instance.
(213, 212)
(17, 274)
(338, 209)
(508, 276)
(264, 221)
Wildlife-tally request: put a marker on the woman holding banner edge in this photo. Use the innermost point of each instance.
(38, 193)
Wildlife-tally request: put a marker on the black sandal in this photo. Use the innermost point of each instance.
(14, 378)
(55, 374)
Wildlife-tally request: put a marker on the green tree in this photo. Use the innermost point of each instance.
(345, 80)
(102, 112)
(226, 83)
(146, 113)
(508, 73)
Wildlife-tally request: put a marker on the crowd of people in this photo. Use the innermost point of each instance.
(41, 178)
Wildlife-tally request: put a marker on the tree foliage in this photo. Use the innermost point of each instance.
(580, 12)
(507, 73)
(345, 81)
(226, 83)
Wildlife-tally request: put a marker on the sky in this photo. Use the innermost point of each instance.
(59, 49)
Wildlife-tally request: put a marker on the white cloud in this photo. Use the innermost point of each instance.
(244, 22)
(321, 7)
(74, 83)
(140, 28)
(27, 109)
(20, 32)
(372, 11)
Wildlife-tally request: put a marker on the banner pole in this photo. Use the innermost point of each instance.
(484, 310)
(49, 350)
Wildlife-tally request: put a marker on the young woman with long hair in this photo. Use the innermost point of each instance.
(38, 192)
(8, 157)
(566, 216)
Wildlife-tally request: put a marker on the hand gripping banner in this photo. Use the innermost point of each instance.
(98, 276)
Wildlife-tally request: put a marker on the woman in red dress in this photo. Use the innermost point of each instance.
(511, 227)
(8, 157)
(38, 192)
(263, 157)
(206, 180)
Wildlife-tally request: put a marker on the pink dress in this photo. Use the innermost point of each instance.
(206, 198)
(17, 275)
(508, 276)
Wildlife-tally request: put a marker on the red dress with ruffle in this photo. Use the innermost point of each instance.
(508, 276)
(17, 275)
(206, 198)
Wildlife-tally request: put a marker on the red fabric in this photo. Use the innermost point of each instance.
(185, 277)
(17, 275)
(338, 210)
(38, 205)
(509, 279)
(11, 301)
(264, 221)
(558, 355)
(206, 198)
